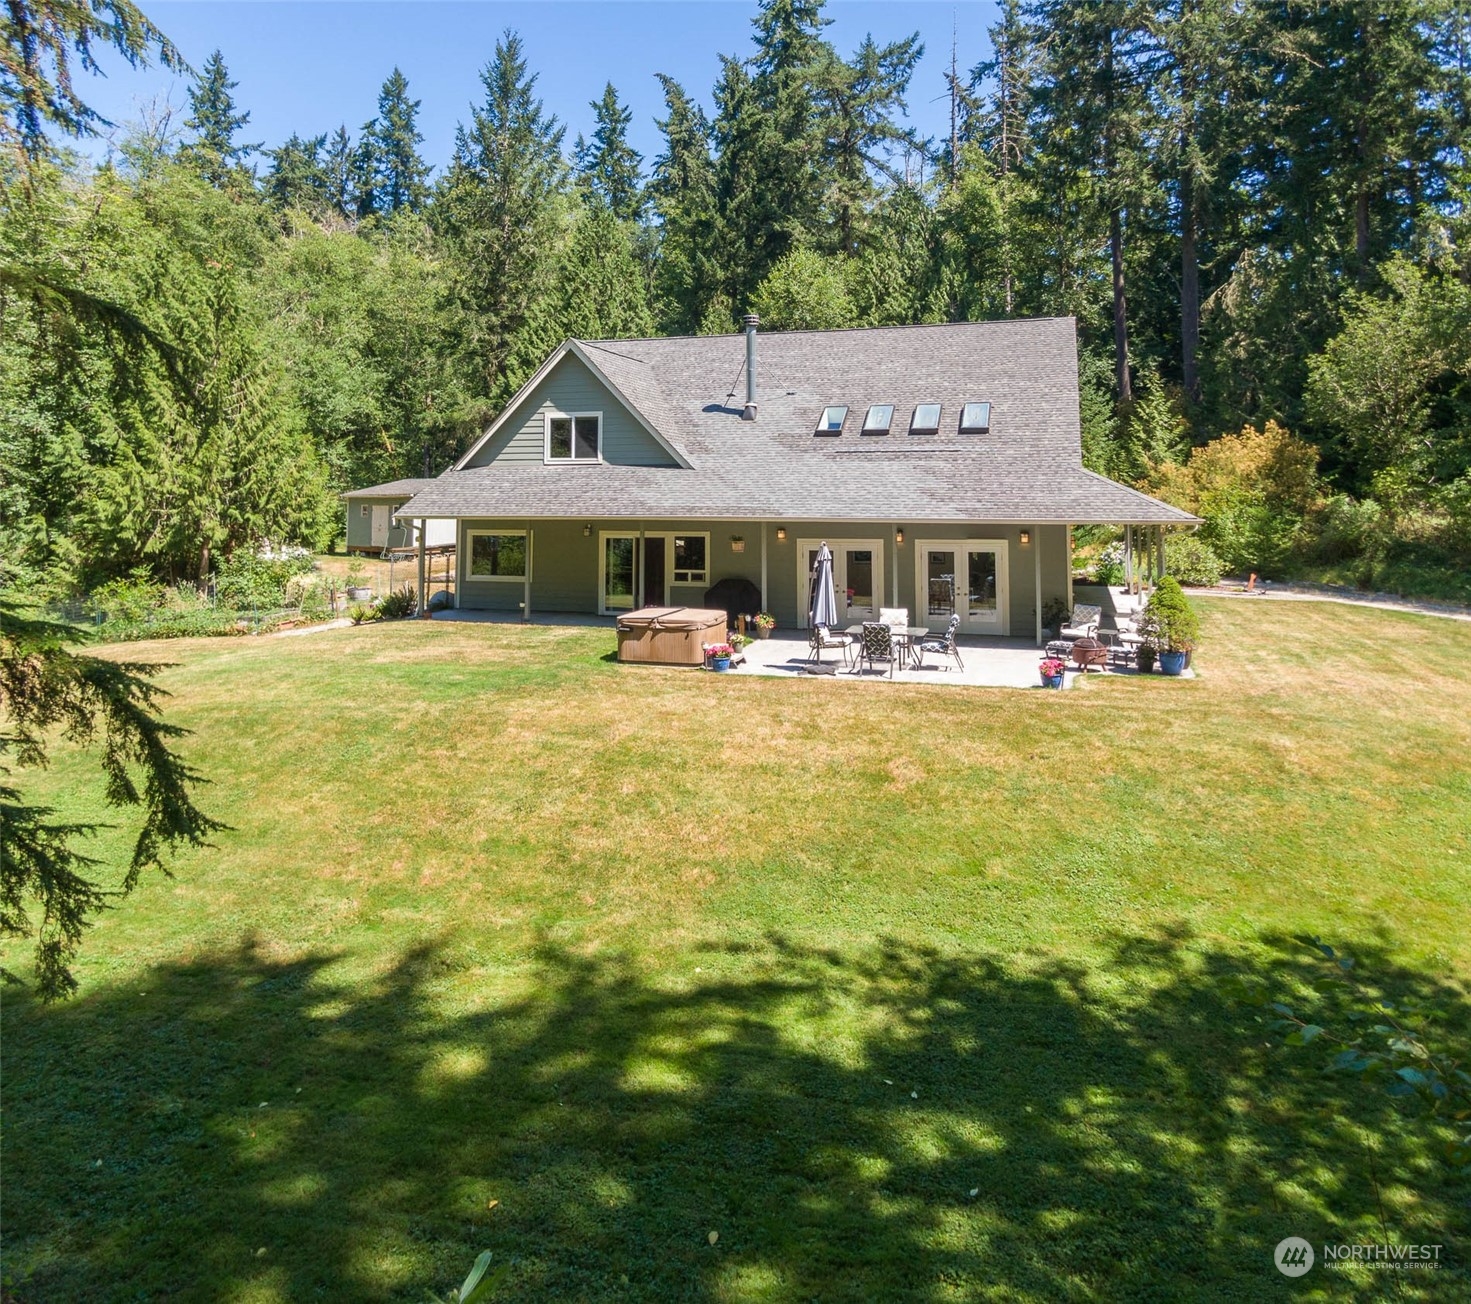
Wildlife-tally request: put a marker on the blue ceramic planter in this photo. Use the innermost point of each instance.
(1172, 663)
(723, 663)
(1051, 681)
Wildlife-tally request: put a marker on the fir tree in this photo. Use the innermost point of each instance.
(683, 194)
(499, 211)
(339, 170)
(400, 176)
(608, 165)
(214, 122)
(297, 178)
(603, 293)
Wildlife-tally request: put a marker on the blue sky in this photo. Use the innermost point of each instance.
(308, 66)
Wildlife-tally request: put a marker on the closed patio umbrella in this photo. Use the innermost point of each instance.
(823, 607)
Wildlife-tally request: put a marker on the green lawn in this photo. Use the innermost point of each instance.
(909, 993)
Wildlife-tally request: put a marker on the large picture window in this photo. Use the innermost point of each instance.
(574, 436)
(496, 556)
(691, 565)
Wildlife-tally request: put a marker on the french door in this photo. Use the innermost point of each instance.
(858, 577)
(964, 576)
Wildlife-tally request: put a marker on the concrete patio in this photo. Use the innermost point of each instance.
(989, 662)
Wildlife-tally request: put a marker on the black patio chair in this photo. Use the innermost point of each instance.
(944, 646)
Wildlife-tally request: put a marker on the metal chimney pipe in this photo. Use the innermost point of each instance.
(750, 321)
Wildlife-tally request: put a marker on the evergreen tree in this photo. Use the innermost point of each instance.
(683, 194)
(1093, 107)
(500, 211)
(608, 165)
(297, 178)
(603, 293)
(858, 103)
(214, 122)
(399, 176)
(339, 171)
(806, 291)
(36, 85)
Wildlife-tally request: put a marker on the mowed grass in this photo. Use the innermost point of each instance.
(908, 993)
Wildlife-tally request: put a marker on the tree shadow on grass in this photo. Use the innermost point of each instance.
(895, 1124)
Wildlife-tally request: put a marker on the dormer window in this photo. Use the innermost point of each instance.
(832, 421)
(880, 417)
(926, 419)
(574, 437)
(975, 418)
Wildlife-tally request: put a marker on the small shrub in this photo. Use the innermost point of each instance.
(1109, 568)
(1169, 623)
(1191, 560)
(249, 581)
(131, 599)
(360, 612)
(1348, 528)
(398, 604)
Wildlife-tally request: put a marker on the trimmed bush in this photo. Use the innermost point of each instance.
(1170, 622)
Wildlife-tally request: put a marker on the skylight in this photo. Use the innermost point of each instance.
(926, 419)
(832, 421)
(880, 417)
(975, 418)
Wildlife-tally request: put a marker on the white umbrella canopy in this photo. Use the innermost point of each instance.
(824, 597)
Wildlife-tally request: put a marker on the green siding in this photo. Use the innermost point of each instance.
(565, 564)
(360, 526)
(572, 387)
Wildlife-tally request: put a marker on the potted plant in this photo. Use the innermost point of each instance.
(718, 655)
(357, 591)
(765, 622)
(1051, 670)
(1170, 624)
(1055, 612)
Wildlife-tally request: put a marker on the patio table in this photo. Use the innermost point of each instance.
(904, 635)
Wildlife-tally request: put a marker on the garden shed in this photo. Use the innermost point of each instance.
(371, 527)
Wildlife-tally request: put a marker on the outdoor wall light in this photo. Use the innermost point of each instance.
(1026, 537)
(781, 535)
(899, 536)
(737, 544)
(586, 531)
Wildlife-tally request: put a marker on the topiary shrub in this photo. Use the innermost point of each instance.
(1191, 560)
(1170, 622)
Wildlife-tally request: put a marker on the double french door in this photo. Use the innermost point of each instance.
(858, 577)
(965, 577)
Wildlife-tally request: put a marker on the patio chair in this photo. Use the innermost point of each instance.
(877, 644)
(944, 646)
(894, 617)
(823, 638)
(1083, 623)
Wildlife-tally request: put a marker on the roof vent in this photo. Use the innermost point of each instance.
(750, 321)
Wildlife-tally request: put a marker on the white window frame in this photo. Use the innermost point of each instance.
(546, 438)
(704, 575)
(366, 510)
(470, 536)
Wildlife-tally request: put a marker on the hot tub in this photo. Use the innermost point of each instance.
(674, 636)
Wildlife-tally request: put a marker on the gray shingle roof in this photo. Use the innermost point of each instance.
(393, 489)
(1026, 469)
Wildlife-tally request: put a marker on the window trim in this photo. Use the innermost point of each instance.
(672, 565)
(926, 430)
(877, 430)
(822, 426)
(974, 429)
(552, 414)
(471, 578)
(365, 512)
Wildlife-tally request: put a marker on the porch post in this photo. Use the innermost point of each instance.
(423, 597)
(894, 578)
(764, 607)
(1129, 557)
(1069, 544)
(1037, 578)
(1161, 552)
(526, 581)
